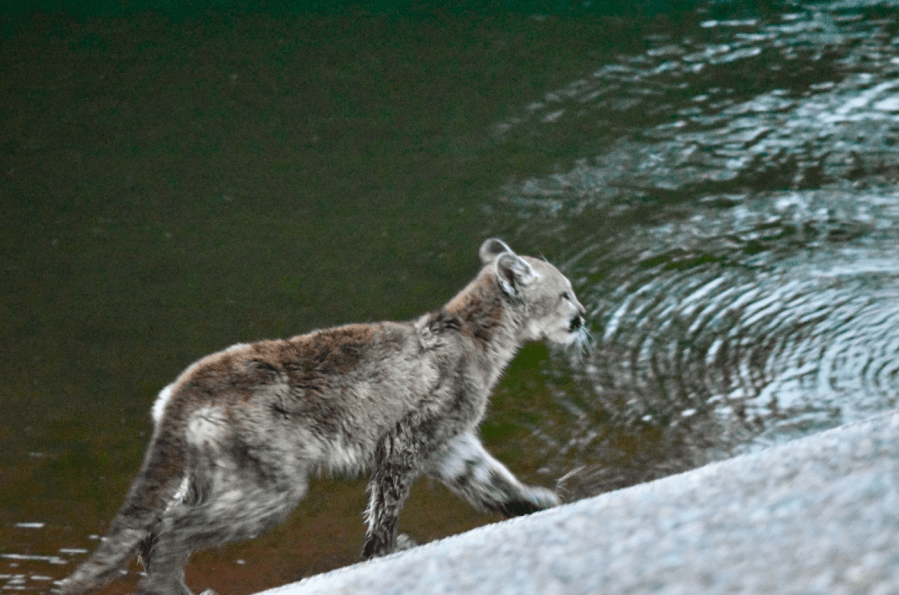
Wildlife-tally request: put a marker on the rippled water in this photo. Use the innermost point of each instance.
(721, 189)
(735, 240)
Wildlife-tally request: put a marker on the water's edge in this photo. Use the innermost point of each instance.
(814, 515)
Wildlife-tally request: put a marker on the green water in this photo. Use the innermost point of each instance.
(172, 187)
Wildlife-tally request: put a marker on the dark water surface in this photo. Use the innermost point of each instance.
(720, 185)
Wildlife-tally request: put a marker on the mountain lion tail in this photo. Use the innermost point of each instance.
(157, 482)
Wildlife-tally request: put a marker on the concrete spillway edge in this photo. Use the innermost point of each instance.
(816, 515)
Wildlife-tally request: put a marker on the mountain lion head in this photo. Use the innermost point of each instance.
(551, 310)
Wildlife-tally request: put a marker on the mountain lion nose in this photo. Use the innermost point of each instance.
(576, 323)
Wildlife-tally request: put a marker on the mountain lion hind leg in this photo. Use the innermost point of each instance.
(230, 488)
(241, 505)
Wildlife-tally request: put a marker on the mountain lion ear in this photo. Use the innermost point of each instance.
(513, 273)
(491, 249)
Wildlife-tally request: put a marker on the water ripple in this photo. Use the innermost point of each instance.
(734, 241)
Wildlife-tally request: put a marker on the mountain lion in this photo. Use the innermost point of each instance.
(239, 431)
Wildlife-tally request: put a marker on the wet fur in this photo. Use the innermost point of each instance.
(237, 434)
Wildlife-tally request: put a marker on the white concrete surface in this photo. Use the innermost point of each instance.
(817, 515)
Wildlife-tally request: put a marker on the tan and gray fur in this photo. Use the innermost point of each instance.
(238, 432)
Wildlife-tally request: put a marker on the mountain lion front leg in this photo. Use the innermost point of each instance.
(396, 466)
(467, 469)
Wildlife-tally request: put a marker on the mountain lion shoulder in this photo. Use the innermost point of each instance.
(237, 434)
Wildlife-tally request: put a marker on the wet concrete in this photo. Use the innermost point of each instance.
(816, 515)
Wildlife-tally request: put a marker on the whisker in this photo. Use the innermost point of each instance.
(583, 344)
